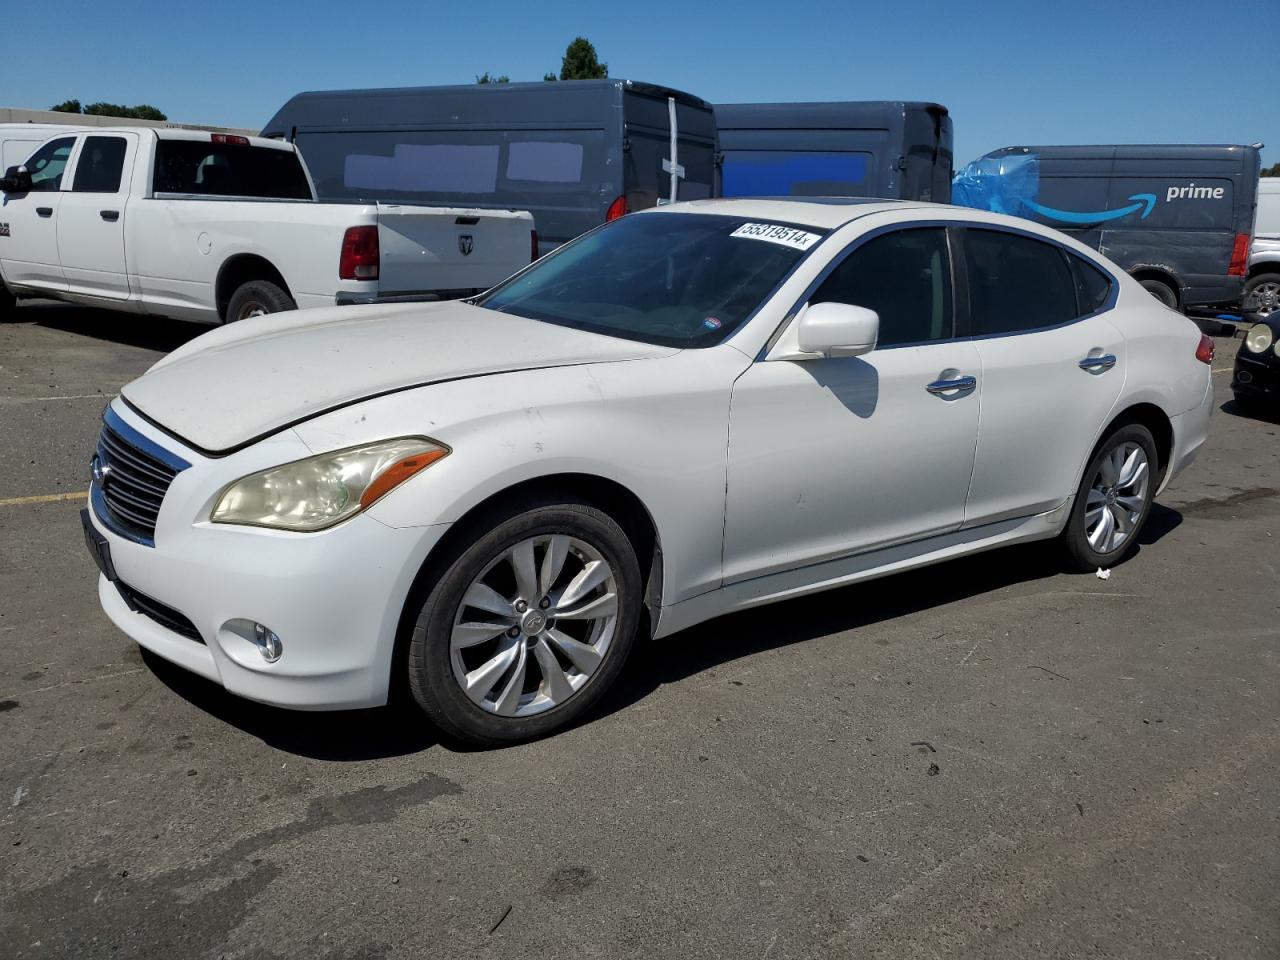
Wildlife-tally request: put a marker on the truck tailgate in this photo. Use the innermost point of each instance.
(426, 249)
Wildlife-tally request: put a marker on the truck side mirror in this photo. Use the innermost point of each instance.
(16, 180)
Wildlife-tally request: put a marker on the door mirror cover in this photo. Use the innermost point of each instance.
(838, 330)
(16, 180)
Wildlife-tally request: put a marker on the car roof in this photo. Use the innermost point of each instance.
(824, 212)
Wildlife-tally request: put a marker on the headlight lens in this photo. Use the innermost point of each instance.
(318, 492)
(1259, 338)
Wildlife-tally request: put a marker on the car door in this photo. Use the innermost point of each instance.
(834, 456)
(1053, 365)
(29, 250)
(91, 219)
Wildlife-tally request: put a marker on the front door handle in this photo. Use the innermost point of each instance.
(111, 216)
(1098, 364)
(44, 211)
(949, 389)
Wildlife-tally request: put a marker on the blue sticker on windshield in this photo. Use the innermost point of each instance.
(712, 323)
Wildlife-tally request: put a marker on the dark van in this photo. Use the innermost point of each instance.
(575, 153)
(1178, 217)
(890, 149)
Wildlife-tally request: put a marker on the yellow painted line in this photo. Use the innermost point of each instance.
(44, 498)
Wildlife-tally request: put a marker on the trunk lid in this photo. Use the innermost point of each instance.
(449, 248)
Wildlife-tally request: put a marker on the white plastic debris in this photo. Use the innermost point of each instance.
(1103, 574)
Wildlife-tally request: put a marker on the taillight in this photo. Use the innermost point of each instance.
(230, 138)
(533, 245)
(1204, 352)
(617, 209)
(359, 260)
(1239, 256)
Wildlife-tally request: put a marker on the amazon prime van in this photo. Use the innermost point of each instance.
(574, 153)
(1179, 218)
(891, 149)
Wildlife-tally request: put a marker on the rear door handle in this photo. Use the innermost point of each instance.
(111, 216)
(44, 211)
(1098, 364)
(949, 389)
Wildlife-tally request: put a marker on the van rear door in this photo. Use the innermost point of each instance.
(425, 249)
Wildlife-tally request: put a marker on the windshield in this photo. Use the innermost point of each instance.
(677, 279)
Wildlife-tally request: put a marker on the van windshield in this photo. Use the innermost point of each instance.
(676, 279)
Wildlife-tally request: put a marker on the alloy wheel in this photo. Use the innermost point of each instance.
(1264, 299)
(535, 626)
(1117, 496)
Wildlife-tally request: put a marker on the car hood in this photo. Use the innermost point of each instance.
(244, 381)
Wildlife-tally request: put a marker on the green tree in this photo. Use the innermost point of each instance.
(486, 78)
(67, 106)
(1271, 171)
(143, 111)
(549, 76)
(581, 62)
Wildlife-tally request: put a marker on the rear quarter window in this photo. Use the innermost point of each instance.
(1017, 283)
(229, 170)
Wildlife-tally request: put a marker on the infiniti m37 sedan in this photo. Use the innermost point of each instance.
(692, 410)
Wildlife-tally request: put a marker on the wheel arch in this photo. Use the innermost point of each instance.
(610, 496)
(240, 269)
(1154, 419)
(1161, 274)
(1263, 266)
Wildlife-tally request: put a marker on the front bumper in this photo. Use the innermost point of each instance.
(1257, 375)
(333, 597)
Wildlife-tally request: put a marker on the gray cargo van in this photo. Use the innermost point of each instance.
(1178, 217)
(891, 149)
(575, 153)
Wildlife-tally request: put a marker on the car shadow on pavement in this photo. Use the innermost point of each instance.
(734, 636)
(132, 330)
(344, 735)
(1260, 412)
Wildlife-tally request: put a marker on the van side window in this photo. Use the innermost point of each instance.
(1016, 283)
(905, 277)
(101, 165)
(1093, 287)
(47, 163)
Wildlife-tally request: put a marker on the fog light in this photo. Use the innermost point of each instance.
(269, 644)
(1244, 376)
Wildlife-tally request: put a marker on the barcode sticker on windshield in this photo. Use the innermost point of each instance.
(773, 233)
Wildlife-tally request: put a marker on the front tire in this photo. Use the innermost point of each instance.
(258, 297)
(527, 625)
(1113, 501)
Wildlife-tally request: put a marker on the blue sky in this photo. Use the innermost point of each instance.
(1010, 72)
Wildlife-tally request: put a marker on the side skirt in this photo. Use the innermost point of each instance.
(832, 574)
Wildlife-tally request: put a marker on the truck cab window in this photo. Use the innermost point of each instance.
(47, 163)
(101, 165)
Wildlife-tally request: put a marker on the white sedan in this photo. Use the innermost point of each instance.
(690, 411)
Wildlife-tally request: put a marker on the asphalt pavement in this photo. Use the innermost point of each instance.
(988, 758)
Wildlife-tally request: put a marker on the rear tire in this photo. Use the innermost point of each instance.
(1091, 540)
(258, 297)
(539, 668)
(1162, 292)
(8, 304)
(1262, 294)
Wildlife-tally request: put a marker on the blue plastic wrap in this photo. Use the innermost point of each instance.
(1000, 184)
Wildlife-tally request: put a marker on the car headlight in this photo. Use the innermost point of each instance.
(1259, 338)
(320, 491)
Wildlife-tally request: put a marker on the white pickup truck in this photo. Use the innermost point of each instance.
(215, 227)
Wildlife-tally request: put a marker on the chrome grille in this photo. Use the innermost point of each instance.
(130, 478)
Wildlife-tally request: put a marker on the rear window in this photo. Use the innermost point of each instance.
(229, 170)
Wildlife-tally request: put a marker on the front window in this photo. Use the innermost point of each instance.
(677, 279)
(47, 163)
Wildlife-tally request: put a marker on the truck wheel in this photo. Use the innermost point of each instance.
(1162, 292)
(257, 297)
(8, 304)
(1262, 294)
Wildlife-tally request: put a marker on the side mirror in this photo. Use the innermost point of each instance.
(16, 180)
(838, 330)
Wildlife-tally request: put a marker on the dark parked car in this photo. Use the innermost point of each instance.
(1256, 380)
